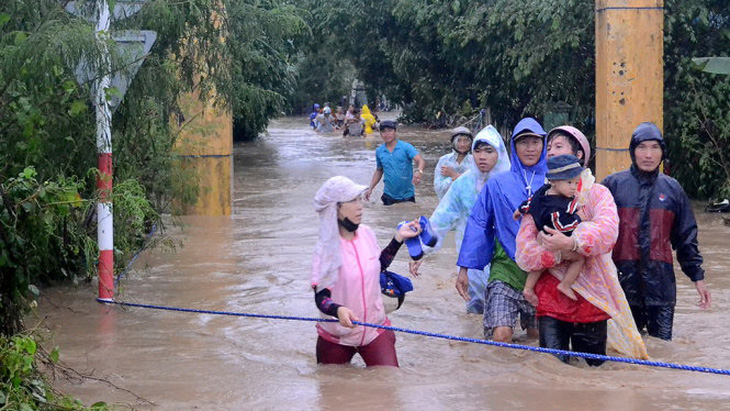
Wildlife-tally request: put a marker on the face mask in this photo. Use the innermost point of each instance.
(348, 225)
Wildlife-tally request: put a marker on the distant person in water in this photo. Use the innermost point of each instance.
(325, 121)
(339, 117)
(450, 166)
(353, 124)
(394, 160)
(313, 116)
(370, 122)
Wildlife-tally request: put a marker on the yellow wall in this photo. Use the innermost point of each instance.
(629, 76)
(205, 143)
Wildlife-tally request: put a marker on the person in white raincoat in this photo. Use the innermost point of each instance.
(490, 157)
(457, 162)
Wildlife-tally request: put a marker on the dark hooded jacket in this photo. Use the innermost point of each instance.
(655, 217)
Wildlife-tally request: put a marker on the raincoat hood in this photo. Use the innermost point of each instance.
(646, 132)
(491, 136)
(461, 131)
(528, 125)
(365, 110)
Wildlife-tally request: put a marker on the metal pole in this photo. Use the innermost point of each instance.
(105, 228)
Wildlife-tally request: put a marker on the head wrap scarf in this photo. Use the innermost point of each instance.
(327, 259)
(491, 136)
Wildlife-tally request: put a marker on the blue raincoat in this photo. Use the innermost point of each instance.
(491, 219)
(453, 210)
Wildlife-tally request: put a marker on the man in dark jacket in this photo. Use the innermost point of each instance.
(655, 216)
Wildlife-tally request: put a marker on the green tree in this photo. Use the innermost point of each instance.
(524, 58)
(241, 51)
(696, 104)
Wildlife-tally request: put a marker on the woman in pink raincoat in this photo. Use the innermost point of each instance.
(346, 277)
(601, 312)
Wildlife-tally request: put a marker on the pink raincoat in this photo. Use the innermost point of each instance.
(357, 287)
(598, 282)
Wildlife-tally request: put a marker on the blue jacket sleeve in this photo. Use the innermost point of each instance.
(684, 238)
(478, 244)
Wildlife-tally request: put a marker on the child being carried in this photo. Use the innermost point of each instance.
(554, 205)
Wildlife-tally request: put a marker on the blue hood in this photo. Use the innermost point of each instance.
(523, 173)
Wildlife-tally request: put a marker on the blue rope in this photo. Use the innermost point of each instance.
(629, 8)
(611, 149)
(205, 155)
(442, 336)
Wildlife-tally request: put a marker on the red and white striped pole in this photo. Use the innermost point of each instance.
(105, 219)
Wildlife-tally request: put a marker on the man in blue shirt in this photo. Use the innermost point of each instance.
(394, 160)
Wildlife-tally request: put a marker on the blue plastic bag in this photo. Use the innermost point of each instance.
(394, 286)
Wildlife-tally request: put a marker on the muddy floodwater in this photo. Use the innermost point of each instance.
(258, 261)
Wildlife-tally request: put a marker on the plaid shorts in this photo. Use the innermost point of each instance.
(502, 304)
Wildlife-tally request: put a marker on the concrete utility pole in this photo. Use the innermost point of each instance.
(629, 76)
(205, 144)
(105, 220)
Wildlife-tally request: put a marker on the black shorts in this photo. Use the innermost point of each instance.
(388, 200)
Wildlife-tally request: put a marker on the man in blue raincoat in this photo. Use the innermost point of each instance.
(654, 216)
(491, 232)
(452, 212)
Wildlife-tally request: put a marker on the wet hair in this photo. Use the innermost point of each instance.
(575, 146)
(480, 145)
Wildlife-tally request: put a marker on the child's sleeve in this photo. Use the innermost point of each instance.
(564, 222)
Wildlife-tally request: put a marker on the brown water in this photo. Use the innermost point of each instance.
(258, 261)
